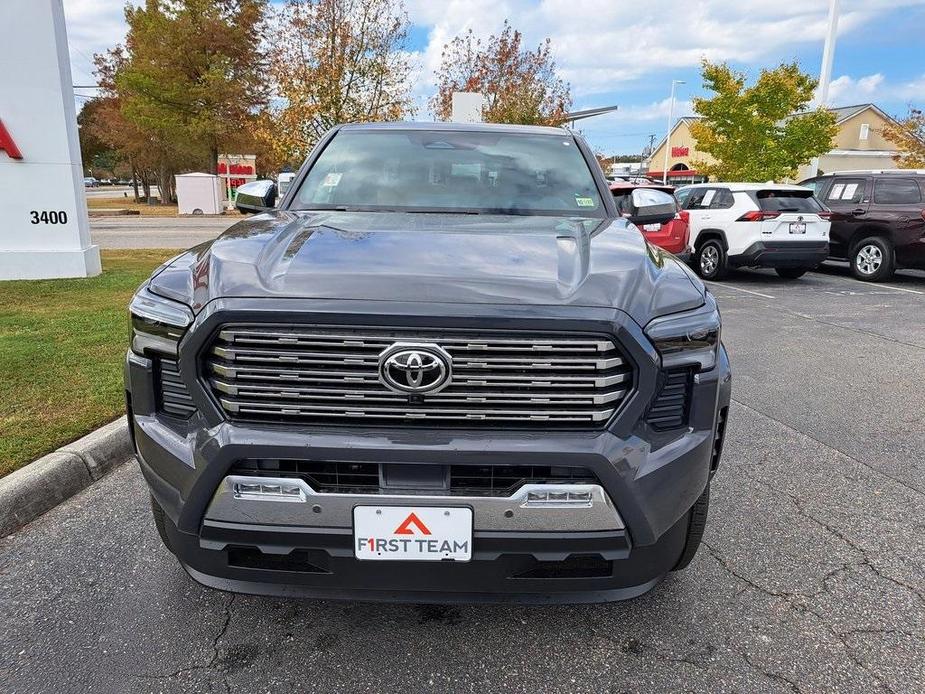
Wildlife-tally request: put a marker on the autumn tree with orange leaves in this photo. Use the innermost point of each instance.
(909, 134)
(332, 62)
(519, 85)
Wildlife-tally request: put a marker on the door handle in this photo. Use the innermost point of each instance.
(858, 211)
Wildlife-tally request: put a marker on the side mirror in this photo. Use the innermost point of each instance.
(650, 206)
(650, 217)
(256, 196)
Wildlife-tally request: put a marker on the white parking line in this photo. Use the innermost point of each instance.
(901, 289)
(739, 289)
(873, 286)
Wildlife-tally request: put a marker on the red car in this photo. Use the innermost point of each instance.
(672, 236)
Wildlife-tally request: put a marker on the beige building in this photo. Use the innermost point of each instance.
(859, 144)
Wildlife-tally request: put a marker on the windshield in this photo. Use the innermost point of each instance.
(436, 171)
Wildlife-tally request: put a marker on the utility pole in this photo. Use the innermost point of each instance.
(825, 74)
(674, 83)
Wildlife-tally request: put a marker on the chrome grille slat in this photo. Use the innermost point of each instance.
(322, 338)
(320, 410)
(449, 395)
(514, 378)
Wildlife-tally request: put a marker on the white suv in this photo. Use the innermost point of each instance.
(755, 225)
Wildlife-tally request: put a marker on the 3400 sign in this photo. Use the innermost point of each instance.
(48, 216)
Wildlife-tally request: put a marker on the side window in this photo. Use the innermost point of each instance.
(845, 191)
(723, 200)
(896, 191)
(695, 199)
(622, 200)
(681, 196)
(701, 199)
(817, 185)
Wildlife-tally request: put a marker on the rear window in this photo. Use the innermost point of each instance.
(896, 191)
(787, 201)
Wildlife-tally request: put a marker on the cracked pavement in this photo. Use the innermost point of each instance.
(811, 577)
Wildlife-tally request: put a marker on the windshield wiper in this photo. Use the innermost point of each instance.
(461, 210)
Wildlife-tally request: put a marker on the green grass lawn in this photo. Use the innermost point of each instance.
(62, 343)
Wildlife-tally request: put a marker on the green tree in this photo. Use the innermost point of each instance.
(191, 76)
(519, 85)
(909, 136)
(762, 132)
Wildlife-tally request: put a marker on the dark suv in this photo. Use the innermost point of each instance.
(878, 219)
(443, 368)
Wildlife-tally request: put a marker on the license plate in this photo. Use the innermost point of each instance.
(412, 533)
(797, 227)
(651, 227)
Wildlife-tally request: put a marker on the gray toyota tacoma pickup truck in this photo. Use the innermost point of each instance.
(441, 368)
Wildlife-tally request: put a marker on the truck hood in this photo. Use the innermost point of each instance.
(447, 258)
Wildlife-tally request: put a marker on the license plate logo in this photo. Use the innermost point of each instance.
(797, 227)
(420, 533)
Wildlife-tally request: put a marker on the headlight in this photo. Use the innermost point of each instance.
(688, 339)
(157, 323)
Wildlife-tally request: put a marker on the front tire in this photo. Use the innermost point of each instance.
(695, 529)
(873, 260)
(790, 273)
(712, 263)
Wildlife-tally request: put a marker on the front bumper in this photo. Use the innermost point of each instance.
(782, 254)
(651, 478)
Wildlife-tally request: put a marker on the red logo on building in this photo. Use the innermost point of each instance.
(680, 151)
(405, 527)
(6, 143)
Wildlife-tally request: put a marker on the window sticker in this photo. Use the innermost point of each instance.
(836, 191)
(849, 191)
(331, 180)
(584, 202)
(707, 198)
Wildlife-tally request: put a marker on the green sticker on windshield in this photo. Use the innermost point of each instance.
(584, 202)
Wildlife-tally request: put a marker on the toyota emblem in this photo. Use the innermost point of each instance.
(407, 367)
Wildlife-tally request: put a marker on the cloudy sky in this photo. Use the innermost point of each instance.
(627, 53)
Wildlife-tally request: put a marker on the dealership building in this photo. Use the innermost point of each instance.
(859, 144)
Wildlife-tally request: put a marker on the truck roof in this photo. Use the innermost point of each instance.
(733, 186)
(459, 127)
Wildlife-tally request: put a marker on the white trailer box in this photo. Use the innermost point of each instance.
(199, 193)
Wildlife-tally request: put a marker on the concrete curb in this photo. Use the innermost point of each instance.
(40, 486)
(112, 212)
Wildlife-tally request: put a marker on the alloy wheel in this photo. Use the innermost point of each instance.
(869, 259)
(709, 259)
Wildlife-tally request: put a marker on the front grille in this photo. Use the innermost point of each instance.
(331, 375)
(575, 566)
(670, 408)
(173, 397)
(464, 480)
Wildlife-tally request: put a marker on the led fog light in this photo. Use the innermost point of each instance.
(277, 490)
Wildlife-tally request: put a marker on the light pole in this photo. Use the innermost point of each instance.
(674, 83)
(825, 74)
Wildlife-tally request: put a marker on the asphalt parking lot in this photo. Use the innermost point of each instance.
(811, 578)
